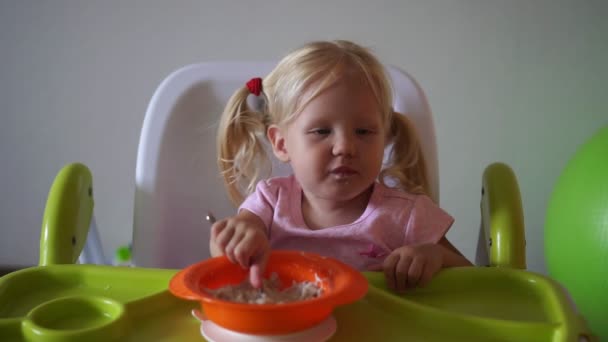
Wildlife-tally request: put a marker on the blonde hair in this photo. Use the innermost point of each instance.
(242, 153)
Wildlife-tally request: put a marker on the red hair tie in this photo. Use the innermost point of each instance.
(255, 86)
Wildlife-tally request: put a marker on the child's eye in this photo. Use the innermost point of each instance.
(363, 131)
(321, 131)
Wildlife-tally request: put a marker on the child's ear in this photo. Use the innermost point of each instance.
(277, 140)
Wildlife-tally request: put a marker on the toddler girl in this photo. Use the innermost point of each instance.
(327, 112)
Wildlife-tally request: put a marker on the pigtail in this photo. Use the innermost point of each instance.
(406, 164)
(241, 152)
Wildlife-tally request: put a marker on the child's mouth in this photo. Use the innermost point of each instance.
(343, 172)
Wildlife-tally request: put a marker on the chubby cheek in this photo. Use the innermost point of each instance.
(376, 165)
(314, 164)
(378, 156)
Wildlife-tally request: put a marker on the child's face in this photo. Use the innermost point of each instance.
(335, 145)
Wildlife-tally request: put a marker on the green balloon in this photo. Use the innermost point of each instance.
(576, 231)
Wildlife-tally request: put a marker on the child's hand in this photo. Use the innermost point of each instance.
(411, 266)
(243, 240)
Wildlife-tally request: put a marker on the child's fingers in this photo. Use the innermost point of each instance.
(401, 270)
(415, 272)
(251, 246)
(389, 270)
(245, 249)
(255, 276)
(231, 248)
(427, 275)
(257, 269)
(224, 237)
(217, 228)
(242, 254)
(230, 257)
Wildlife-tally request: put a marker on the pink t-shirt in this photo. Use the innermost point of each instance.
(392, 219)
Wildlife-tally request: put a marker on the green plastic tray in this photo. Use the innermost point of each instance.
(103, 303)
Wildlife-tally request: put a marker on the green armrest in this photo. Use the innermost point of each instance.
(502, 217)
(67, 216)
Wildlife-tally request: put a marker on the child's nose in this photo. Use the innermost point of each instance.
(344, 145)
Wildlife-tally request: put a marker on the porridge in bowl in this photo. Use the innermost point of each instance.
(269, 293)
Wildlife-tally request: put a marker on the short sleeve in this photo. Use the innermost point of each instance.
(427, 223)
(262, 201)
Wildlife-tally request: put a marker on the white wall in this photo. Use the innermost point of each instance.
(516, 81)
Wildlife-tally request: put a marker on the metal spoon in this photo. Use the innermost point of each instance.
(210, 218)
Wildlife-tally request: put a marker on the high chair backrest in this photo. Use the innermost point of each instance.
(177, 179)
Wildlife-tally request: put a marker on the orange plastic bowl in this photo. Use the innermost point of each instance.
(341, 284)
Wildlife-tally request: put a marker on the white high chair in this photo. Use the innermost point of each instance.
(178, 183)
